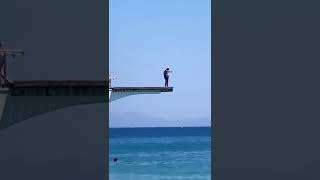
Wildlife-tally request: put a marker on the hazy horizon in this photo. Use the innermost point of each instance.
(139, 119)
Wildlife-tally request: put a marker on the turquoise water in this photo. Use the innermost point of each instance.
(160, 153)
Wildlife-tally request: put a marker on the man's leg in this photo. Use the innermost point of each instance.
(167, 84)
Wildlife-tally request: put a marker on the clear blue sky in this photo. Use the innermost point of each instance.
(145, 37)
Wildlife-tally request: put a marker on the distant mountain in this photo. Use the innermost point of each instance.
(130, 119)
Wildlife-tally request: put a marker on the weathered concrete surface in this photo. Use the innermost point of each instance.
(142, 89)
(116, 93)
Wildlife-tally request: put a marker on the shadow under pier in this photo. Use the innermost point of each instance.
(26, 99)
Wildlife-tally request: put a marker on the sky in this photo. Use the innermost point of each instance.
(145, 38)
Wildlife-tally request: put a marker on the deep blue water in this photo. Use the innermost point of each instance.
(160, 153)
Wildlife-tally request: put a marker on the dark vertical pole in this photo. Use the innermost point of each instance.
(4, 71)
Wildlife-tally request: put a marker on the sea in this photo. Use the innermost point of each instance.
(160, 153)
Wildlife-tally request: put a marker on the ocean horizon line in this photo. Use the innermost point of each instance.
(161, 127)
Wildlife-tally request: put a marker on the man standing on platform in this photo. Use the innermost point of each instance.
(166, 76)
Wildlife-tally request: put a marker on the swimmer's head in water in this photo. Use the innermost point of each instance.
(115, 159)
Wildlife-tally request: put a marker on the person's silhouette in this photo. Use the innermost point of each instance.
(166, 76)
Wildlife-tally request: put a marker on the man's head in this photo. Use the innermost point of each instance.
(167, 69)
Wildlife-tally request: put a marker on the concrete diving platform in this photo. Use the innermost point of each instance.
(116, 93)
(144, 89)
(21, 100)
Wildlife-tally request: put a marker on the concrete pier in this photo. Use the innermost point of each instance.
(26, 99)
(116, 93)
(145, 89)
